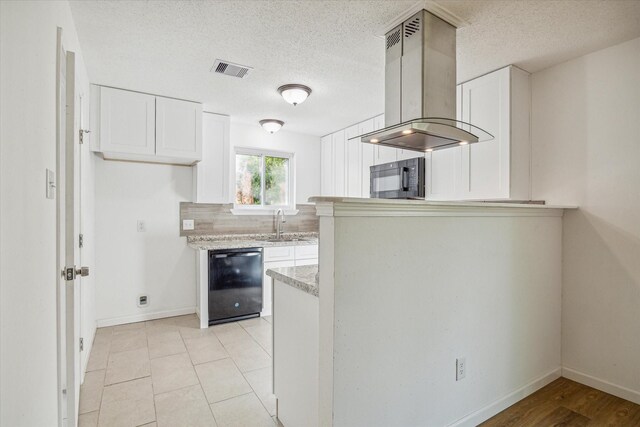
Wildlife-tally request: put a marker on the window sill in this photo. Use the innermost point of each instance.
(270, 212)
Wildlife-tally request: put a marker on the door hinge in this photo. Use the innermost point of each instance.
(81, 344)
(81, 133)
(81, 240)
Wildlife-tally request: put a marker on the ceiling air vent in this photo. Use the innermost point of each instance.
(393, 38)
(411, 27)
(230, 69)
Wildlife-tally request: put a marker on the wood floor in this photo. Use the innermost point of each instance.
(568, 403)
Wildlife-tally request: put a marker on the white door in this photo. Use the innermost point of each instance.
(178, 129)
(127, 122)
(68, 218)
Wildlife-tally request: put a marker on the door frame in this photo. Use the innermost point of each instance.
(67, 210)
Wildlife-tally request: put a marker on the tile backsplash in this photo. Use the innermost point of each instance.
(217, 219)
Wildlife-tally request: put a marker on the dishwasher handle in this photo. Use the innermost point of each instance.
(245, 254)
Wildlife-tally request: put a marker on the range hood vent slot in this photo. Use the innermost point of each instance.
(393, 38)
(412, 27)
(230, 69)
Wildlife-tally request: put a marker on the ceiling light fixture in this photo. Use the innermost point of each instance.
(294, 93)
(271, 125)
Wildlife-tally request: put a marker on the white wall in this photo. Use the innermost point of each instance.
(477, 285)
(305, 147)
(28, 271)
(586, 151)
(129, 263)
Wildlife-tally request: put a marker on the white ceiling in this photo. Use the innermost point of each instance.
(168, 48)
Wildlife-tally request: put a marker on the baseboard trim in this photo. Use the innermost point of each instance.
(602, 385)
(503, 403)
(113, 321)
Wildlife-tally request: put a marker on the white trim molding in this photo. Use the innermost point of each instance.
(430, 6)
(354, 207)
(503, 403)
(143, 317)
(606, 386)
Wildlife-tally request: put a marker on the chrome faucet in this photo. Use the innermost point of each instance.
(279, 223)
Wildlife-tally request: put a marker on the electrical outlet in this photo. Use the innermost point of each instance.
(142, 227)
(461, 368)
(143, 301)
(188, 224)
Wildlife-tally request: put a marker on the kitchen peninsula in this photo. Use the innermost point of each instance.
(408, 289)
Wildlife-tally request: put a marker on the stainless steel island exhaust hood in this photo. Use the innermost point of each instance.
(420, 88)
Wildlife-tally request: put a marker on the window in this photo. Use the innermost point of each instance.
(263, 179)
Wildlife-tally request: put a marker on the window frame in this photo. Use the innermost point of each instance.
(265, 209)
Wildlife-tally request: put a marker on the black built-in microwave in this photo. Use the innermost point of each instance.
(403, 179)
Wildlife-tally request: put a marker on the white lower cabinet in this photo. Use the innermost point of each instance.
(295, 355)
(283, 256)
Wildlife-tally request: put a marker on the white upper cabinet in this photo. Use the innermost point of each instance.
(326, 166)
(368, 156)
(146, 128)
(354, 162)
(443, 167)
(212, 172)
(340, 163)
(178, 129)
(127, 122)
(383, 154)
(499, 103)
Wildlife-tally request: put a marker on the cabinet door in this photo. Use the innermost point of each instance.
(368, 153)
(305, 252)
(212, 172)
(485, 165)
(442, 170)
(443, 175)
(339, 163)
(267, 285)
(383, 154)
(127, 122)
(354, 162)
(178, 129)
(326, 166)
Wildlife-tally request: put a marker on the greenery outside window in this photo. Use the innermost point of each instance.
(263, 179)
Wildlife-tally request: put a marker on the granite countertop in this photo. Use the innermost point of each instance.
(233, 241)
(399, 204)
(304, 277)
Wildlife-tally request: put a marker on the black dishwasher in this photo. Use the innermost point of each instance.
(235, 284)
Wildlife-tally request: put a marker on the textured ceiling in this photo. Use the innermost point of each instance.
(168, 48)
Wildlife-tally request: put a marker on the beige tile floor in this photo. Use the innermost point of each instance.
(168, 372)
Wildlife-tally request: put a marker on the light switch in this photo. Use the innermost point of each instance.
(142, 227)
(188, 224)
(51, 184)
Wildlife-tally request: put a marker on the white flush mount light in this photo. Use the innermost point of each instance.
(271, 125)
(294, 93)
